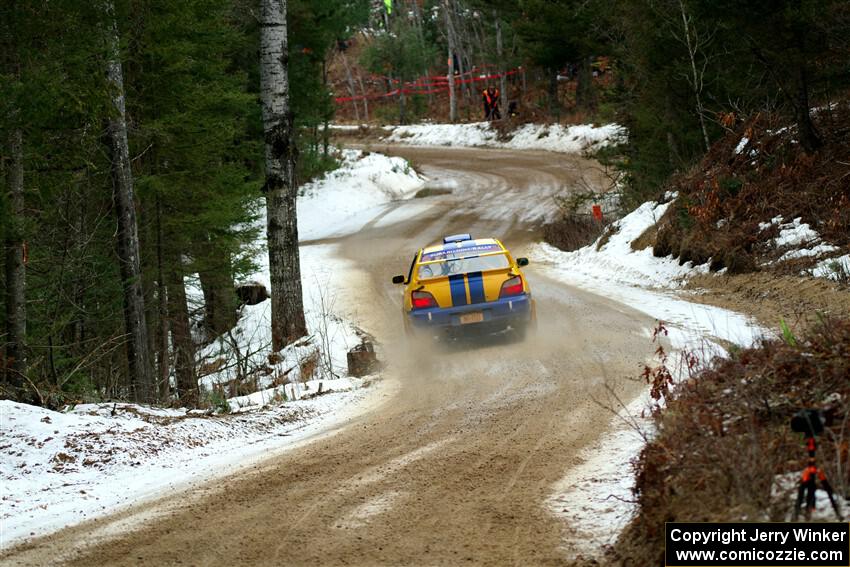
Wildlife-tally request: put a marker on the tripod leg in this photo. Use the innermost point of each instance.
(811, 489)
(835, 508)
(801, 491)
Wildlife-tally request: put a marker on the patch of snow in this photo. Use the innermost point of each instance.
(554, 137)
(741, 145)
(347, 198)
(785, 487)
(248, 344)
(833, 268)
(795, 233)
(595, 499)
(801, 240)
(774, 221)
(566, 139)
(346, 127)
(777, 132)
(815, 250)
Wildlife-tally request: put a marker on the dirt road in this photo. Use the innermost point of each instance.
(455, 465)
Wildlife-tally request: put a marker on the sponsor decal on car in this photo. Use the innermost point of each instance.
(463, 252)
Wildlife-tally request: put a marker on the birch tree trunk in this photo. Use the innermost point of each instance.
(288, 322)
(402, 103)
(141, 376)
(16, 270)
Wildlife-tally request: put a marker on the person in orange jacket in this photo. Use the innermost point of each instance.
(490, 97)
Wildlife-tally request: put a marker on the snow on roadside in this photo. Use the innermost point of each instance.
(60, 468)
(550, 137)
(799, 240)
(616, 259)
(248, 344)
(349, 197)
(595, 499)
(644, 282)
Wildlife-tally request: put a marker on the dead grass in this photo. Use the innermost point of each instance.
(646, 239)
(573, 231)
(609, 231)
(724, 439)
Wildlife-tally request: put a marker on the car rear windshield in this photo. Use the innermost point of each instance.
(453, 266)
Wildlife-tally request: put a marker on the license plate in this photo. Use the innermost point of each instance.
(476, 317)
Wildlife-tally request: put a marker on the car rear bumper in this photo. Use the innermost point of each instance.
(495, 314)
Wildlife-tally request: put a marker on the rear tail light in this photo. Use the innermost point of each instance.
(423, 300)
(512, 287)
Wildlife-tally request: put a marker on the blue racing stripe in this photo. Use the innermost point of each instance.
(476, 287)
(458, 289)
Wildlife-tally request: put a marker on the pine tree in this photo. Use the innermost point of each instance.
(192, 112)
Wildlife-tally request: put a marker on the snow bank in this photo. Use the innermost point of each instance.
(595, 498)
(644, 282)
(616, 262)
(800, 240)
(347, 198)
(553, 138)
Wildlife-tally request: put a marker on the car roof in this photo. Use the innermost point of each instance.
(463, 244)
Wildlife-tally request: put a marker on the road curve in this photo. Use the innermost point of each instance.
(455, 465)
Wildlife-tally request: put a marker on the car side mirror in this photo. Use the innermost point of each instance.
(398, 279)
(521, 262)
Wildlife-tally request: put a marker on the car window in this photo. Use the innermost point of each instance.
(463, 266)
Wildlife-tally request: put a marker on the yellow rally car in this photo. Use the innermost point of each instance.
(466, 284)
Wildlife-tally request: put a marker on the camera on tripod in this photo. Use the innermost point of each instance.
(809, 422)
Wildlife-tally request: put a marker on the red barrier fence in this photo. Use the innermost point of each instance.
(441, 82)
